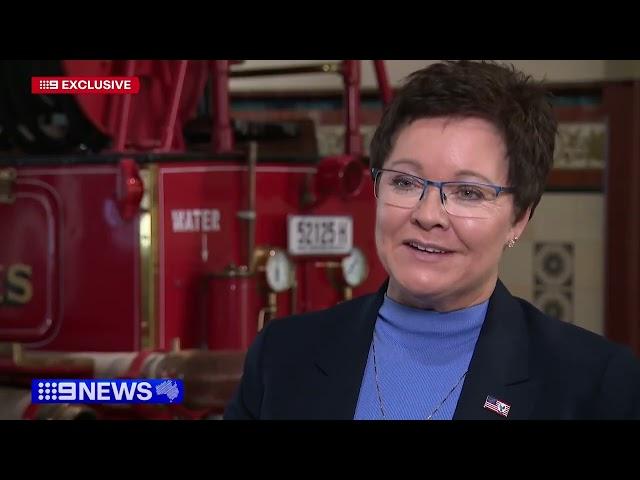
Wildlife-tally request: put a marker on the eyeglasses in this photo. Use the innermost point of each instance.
(461, 199)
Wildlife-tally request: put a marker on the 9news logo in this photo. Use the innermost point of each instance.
(113, 391)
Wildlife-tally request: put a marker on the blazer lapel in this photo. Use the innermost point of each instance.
(341, 358)
(499, 367)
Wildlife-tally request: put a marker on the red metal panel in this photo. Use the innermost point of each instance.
(96, 260)
(30, 281)
(189, 251)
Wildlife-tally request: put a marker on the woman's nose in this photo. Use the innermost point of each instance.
(429, 211)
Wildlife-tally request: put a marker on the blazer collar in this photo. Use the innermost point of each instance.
(499, 366)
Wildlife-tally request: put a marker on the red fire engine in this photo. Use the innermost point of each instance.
(127, 253)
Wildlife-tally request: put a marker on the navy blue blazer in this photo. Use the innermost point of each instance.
(310, 366)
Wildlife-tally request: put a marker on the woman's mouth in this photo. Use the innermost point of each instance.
(427, 249)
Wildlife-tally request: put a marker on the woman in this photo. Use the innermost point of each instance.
(459, 163)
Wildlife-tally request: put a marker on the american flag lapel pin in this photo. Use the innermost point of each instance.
(497, 406)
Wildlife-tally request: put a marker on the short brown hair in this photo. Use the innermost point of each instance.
(517, 105)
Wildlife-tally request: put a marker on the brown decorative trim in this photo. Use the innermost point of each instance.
(622, 302)
(588, 113)
(583, 179)
(300, 94)
(557, 89)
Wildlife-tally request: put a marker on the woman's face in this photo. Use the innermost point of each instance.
(446, 149)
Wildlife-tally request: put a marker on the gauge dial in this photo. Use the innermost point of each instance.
(279, 271)
(355, 268)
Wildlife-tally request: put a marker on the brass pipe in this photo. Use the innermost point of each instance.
(347, 293)
(249, 215)
(269, 312)
(17, 356)
(20, 357)
(231, 271)
(148, 238)
(7, 180)
(336, 278)
(331, 264)
(296, 70)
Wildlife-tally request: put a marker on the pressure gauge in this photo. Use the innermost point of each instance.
(279, 271)
(355, 268)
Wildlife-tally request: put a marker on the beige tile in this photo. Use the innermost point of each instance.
(528, 235)
(589, 216)
(516, 267)
(554, 219)
(589, 264)
(589, 309)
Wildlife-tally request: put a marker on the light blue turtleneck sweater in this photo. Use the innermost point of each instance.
(420, 356)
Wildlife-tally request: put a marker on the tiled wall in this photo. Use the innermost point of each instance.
(558, 264)
(578, 144)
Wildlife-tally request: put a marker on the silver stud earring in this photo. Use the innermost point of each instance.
(512, 242)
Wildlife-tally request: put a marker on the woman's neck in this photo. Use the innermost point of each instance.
(446, 302)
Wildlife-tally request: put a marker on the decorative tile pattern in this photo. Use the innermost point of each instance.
(554, 279)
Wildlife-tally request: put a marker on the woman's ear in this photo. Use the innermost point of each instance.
(517, 229)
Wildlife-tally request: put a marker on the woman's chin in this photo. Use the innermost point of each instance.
(418, 288)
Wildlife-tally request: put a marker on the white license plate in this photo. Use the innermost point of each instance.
(319, 234)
